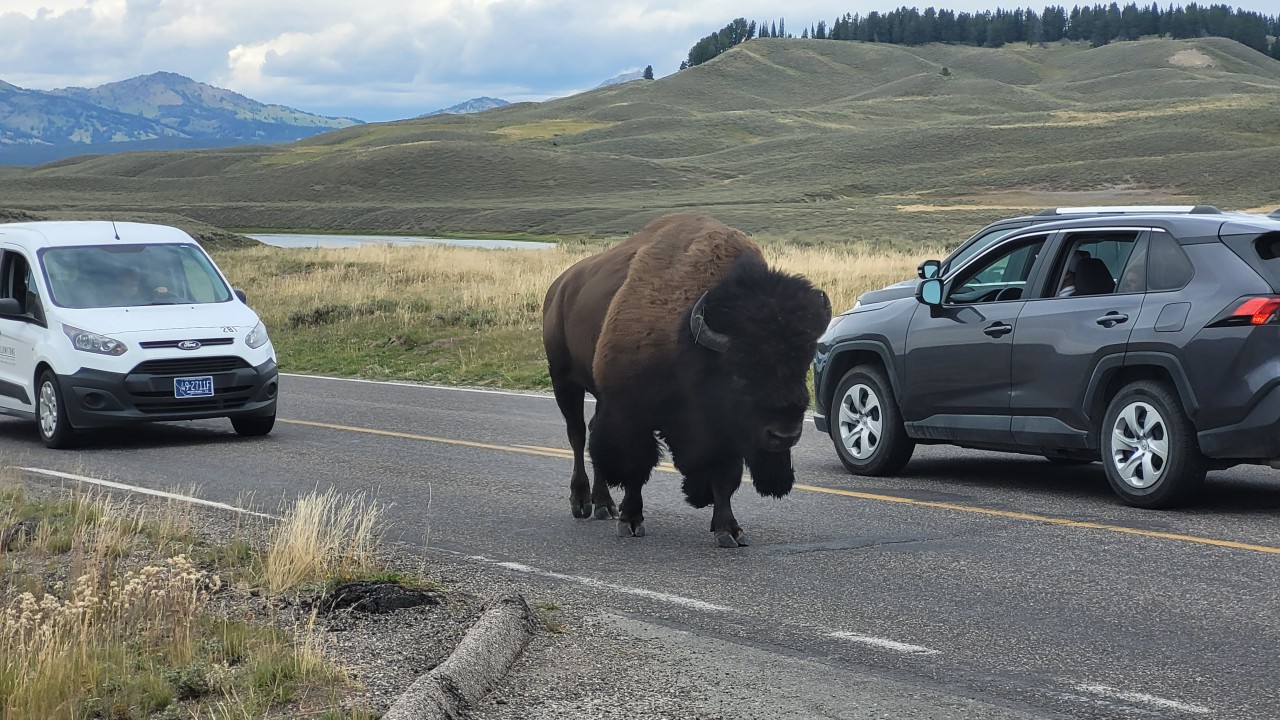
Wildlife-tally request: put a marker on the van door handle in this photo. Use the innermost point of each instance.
(1112, 319)
(998, 329)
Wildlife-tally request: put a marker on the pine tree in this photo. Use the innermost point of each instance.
(648, 72)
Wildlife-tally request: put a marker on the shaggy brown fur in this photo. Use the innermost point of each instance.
(673, 261)
(618, 325)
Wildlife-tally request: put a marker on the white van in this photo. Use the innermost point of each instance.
(103, 323)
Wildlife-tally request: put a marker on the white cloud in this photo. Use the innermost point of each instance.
(381, 59)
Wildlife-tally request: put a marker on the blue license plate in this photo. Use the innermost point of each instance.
(190, 387)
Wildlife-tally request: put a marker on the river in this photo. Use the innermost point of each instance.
(294, 240)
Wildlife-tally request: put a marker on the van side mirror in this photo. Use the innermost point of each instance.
(929, 269)
(240, 294)
(10, 307)
(929, 292)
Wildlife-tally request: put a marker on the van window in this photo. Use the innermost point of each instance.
(17, 282)
(97, 276)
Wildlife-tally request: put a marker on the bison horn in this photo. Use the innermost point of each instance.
(702, 334)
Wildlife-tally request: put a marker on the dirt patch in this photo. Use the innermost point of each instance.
(1190, 59)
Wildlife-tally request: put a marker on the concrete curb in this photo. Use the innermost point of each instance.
(480, 661)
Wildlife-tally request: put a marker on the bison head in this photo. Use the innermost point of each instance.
(754, 335)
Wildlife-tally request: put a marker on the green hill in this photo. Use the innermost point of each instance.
(806, 140)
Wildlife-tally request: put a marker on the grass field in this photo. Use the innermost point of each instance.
(117, 610)
(806, 140)
(457, 315)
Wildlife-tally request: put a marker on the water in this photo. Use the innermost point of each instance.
(292, 240)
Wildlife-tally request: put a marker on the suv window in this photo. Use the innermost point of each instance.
(978, 244)
(1002, 277)
(1168, 268)
(1092, 262)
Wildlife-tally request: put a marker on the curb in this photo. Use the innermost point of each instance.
(483, 657)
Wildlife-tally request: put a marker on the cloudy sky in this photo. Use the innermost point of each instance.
(387, 59)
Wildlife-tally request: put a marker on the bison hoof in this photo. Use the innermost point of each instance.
(626, 529)
(731, 539)
(604, 512)
(581, 510)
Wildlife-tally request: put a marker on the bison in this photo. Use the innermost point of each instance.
(684, 335)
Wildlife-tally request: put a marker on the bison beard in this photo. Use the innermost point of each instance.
(682, 331)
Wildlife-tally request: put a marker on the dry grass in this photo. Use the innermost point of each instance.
(106, 608)
(322, 536)
(460, 315)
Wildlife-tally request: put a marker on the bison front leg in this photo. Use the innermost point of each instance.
(624, 454)
(724, 483)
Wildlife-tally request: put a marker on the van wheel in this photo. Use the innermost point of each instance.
(253, 425)
(51, 413)
(1149, 447)
(866, 425)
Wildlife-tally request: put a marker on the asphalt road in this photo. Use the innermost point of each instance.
(994, 579)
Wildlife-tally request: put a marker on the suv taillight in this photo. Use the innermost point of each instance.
(1257, 310)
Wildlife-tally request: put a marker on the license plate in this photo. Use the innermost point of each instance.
(189, 387)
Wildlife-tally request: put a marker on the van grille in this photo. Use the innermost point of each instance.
(160, 344)
(190, 366)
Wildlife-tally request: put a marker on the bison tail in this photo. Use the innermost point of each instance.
(697, 494)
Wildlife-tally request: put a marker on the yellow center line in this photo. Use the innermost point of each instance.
(666, 467)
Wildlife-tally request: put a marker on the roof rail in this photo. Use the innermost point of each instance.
(1131, 209)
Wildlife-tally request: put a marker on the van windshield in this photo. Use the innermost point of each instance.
(100, 276)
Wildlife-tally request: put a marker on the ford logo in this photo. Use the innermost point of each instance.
(189, 345)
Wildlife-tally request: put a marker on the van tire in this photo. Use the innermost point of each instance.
(253, 425)
(51, 413)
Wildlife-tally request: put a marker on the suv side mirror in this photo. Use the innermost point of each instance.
(929, 292)
(240, 294)
(10, 307)
(929, 269)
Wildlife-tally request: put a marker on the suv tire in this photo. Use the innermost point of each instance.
(1149, 447)
(51, 413)
(866, 425)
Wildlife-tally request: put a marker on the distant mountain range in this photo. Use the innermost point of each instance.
(624, 77)
(158, 111)
(474, 105)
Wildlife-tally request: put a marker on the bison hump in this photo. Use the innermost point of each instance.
(676, 259)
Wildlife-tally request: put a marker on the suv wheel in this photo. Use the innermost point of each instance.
(1149, 447)
(51, 414)
(866, 425)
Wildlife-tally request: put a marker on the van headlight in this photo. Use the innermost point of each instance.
(257, 337)
(93, 342)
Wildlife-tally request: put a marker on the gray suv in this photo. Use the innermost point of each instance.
(1147, 340)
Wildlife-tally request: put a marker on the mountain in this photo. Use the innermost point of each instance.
(474, 105)
(807, 140)
(624, 77)
(157, 111)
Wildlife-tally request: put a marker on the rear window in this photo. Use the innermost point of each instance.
(1261, 251)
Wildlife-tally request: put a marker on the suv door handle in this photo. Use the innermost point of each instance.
(1112, 319)
(995, 330)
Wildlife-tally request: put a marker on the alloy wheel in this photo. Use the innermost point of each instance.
(1140, 445)
(861, 421)
(48, 409)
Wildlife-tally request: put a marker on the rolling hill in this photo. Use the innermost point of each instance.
(803, 140)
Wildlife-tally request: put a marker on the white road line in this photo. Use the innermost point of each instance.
(602, 585)
(1142, 699)
(482, 391)
(884, 643)
(425, 386)
(144, 491)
